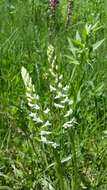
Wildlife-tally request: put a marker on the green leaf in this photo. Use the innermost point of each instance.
(78, 37)
(5, 188)
(72, 60)
(71, 47)
(94, 25)
(66, 159)
(97, 44)
(87, 29)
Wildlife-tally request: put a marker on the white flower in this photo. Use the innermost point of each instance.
(58, 105)
(56, 67)
(60, 77)
(63, 95)
(66, 100)
(59, 85)
(52, 73)
(55, 145)
(70, 102)
(53, 61)
(36, 97)
(43, 139)
(30, 105)
(52, 88)
(53, 65)
(29, 89)
(56, 79)
(46, 111)
(69, 124)
(29, 95)
(35, 118)
(60, 95)
(68, 113)
(36, 107)
(57, 97)
(45, 133)
(47, 124)
(32, 114)
(66, 88)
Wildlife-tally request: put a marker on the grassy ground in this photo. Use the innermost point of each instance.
(53, 87)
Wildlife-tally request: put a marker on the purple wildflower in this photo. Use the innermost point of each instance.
(52, 15)
(53, 3)
(69, 11)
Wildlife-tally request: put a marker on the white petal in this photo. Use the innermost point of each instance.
(32, 114)
(47, 124)
(30, 105)
(67, 125)
(52, 88)
(58, 105)
(43, 139)
(70, 102)
(36, 107)
(37, 119)
(59, 85)
(46, 111)
(45, 133)
(60, 77)
(66, 100)
(60, 95)
(66, 88)
(68, 113)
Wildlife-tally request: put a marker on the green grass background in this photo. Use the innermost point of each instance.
(24, 39)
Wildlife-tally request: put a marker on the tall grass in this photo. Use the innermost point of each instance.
(53, 95)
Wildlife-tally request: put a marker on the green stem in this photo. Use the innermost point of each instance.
(75, 176)
(59, 170)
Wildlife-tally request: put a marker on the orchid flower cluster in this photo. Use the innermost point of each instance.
(36, 113)
(59, 92)
(59, 96)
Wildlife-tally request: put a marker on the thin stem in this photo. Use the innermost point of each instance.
(75, 176)
(59, 170)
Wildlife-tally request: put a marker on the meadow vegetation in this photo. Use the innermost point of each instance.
(53, 90)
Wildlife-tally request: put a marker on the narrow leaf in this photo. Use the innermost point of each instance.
(98, 44)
